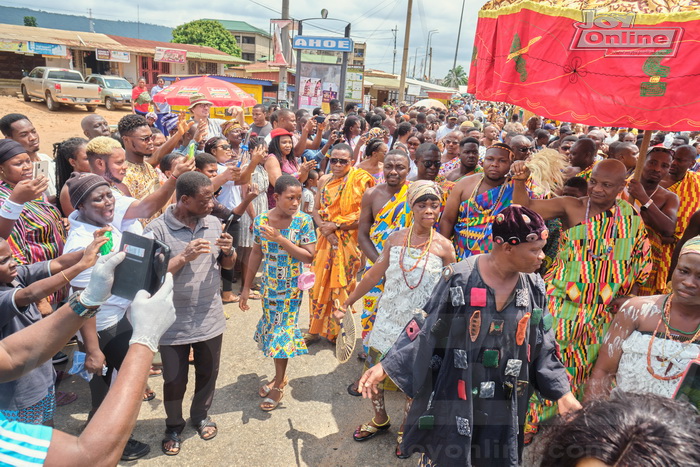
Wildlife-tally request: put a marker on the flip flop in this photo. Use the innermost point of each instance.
(254, 295)
(371, 429)
(155, 371)
(149, 395)
(65, 398)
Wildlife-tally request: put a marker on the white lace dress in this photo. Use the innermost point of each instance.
(398, 302)
(632, 374)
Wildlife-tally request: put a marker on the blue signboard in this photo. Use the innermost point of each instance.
(335, 44)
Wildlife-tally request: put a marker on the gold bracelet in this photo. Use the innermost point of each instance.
(65, 277)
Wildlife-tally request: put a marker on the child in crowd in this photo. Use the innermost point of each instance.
(284, 239)
(309, 192)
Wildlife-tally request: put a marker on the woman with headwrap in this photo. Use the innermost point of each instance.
(652, 339)
(410, 265)
(30, 224)
(233, 132)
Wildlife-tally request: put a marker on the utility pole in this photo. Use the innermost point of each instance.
(393, 64)
(282, 80)
(430, 67)
(424, 67)
(406, 38)
(92, 25)
(459, 32)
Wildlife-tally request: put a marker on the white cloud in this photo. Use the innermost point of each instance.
(372, 21)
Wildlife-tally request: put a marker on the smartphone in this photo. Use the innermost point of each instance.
(689, 388)
(320, 119)
(40, 168)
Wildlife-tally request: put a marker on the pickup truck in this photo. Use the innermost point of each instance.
(116, 91)
(59, 86)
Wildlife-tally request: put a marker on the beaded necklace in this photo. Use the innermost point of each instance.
(483, 212)
(666, 317)
(422, 256)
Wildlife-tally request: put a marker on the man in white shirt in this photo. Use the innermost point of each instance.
(448, 127)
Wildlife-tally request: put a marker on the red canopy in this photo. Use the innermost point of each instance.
(219, 92)
(598, 62)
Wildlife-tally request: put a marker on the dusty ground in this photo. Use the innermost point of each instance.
(54, 127)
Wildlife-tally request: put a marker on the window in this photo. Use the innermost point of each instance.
(248, 56)
(247, 40)
(202, 68)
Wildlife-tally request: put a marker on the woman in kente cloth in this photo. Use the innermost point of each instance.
(473, 357)
(411, 263)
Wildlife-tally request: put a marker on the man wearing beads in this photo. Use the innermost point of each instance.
(475, 201)
(658, 208)
(603, 258)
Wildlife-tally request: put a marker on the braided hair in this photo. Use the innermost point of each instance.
(62, 152)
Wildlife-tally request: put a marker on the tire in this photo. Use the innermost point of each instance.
(51, 104)
(25, 95)
(109, 104)
(91, 108)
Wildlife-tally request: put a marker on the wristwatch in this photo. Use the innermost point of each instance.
(648, 204)
(337, 226)
(81, 310)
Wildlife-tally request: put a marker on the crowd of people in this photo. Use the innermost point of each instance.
(506, 272)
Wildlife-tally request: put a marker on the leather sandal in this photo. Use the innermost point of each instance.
(204, 424)
(399, 453)
(171, 436)
(373, 430)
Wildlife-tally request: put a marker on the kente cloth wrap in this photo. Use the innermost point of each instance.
(395, 215)
(336, 267)
(472, 231)
(688, 192)
(449, 166)
(278, 332)
(586, 173)
(471, 368)
(598, 261)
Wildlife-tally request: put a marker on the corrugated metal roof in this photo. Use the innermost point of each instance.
(74, 39)
(195, 52)
(240, 26)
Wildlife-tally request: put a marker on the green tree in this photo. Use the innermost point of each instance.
(455, 77)
(209, 33)
(30, 21)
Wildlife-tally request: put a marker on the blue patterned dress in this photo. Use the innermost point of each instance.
(278, 332)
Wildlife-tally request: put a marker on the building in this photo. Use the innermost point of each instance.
(254, 42)
(23, 48)
(357, 58)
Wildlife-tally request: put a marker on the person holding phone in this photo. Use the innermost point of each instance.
(106, 337)
(652, 339)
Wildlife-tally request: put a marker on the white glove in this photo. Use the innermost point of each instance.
(151, 317)
(99, 289)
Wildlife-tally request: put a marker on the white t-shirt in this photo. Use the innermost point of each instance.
(230, 194)
(444, 130)
(121, 205)
(307, 196)
(80, 236)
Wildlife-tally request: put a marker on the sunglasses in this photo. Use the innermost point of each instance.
(525, 149)
(429, 164)
(333, 120)
(335, 160)
(566, 148)
(447, 141)
(225, 147)
(144, 139)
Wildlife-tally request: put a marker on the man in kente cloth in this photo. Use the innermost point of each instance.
(685, 183)
(475, 201)
(658, 208)
(384, 210)
(473, 357)
(603, 258)
(337, 259)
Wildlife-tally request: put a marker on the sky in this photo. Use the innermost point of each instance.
(371, 20)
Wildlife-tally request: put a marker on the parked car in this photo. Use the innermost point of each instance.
(59, 86)
(116, 91)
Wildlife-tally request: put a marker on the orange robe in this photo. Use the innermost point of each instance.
(336, 268)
